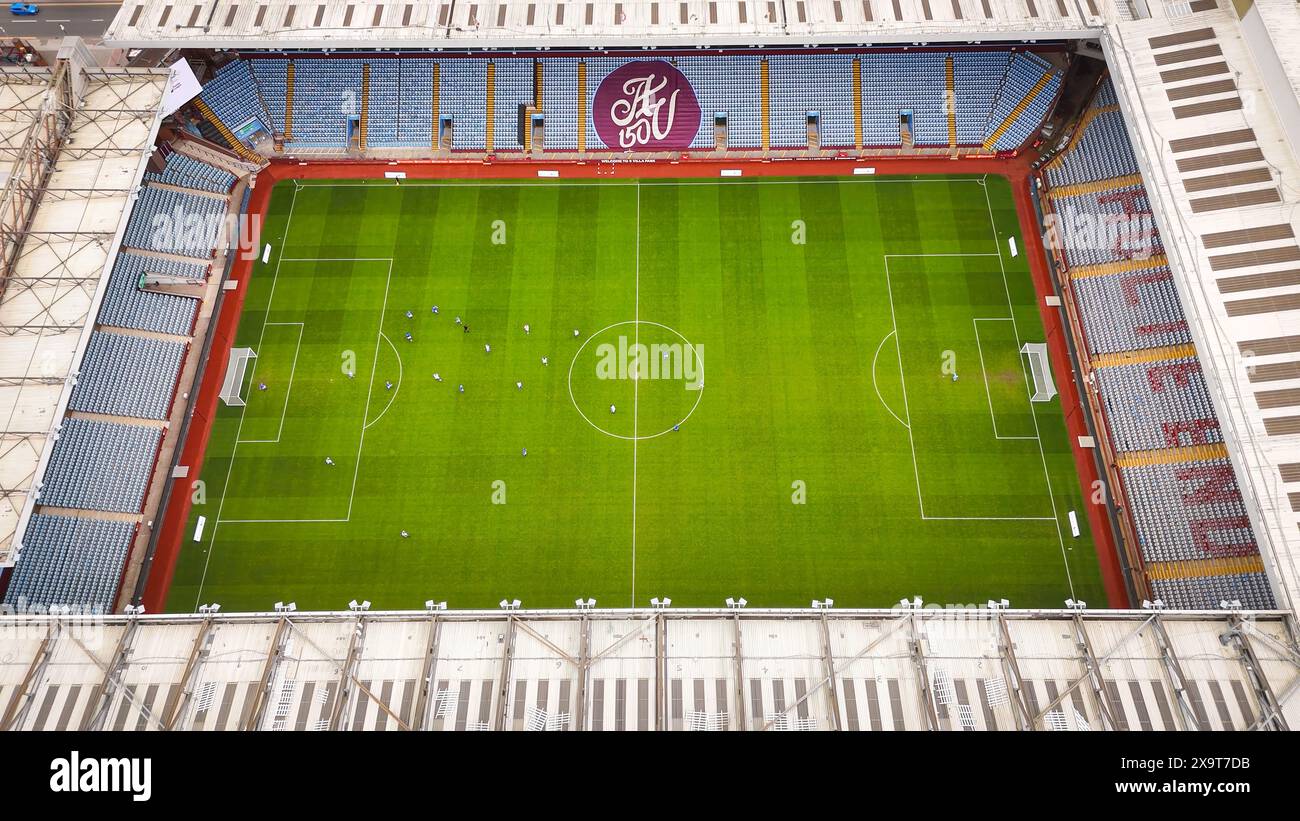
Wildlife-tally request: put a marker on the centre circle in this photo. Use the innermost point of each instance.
(637, 325)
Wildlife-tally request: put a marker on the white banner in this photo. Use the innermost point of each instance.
(182, 86)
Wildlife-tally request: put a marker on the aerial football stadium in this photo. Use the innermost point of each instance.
(651, 365)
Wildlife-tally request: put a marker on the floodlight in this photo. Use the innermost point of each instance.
(432, 605)
(353, 605)
(661, 604)
(365, 605)
(1071, 604)
(731, 602)
(210, 609)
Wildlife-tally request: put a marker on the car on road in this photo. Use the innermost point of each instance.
(24, 9)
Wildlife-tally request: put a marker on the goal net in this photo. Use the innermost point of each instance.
(235, 370)
(1044, 387)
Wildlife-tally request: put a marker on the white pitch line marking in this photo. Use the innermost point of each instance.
(636, 385)
(285, 409)
(216, 525)
(876, 383)
(988, 392)
(396, 388)
(916, 469)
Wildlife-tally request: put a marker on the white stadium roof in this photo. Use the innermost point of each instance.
(447, 24)
(100, 125)
(676, 670)
(1216, 128)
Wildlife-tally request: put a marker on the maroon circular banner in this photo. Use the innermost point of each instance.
(646, 105)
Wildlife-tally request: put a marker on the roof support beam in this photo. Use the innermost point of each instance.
(1093, 668)
(426, 703)
(829, 663)
(661, 672)
(844, 665)
(923, 674)
(739, 657)
(1087, 675)
(103, 695)
(338, 713)
(198, 653)
(1271, 717)
(22, 697)
(254, 710)
(1011, 672)
(503, 684)
(584, 669)
(1177, 679)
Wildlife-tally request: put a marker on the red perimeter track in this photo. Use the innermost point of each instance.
(172, 533)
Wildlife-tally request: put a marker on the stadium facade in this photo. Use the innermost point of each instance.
(1154, 145)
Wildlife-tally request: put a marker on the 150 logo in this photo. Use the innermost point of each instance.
(646, 105)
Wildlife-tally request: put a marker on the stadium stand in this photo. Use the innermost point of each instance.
(1193, 534)
(1027, 93)
(977, 77)
(187, 172)
(1107, 226)
(100, 466)
(1148, 400)
(232, 93)
(512, 87)
(998, 99)
(69, 560)
(559, 90)
(462, 93)
(1104, 151)
(382, 102)
(126, 306)
(172, 222)
(802, 83)
(128, 376)
(1130, 310)
(884, 97)
(1170, 529)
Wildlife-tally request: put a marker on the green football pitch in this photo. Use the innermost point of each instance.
(759, 401)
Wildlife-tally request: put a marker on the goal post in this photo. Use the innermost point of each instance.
(1040, 369)
(235, 370)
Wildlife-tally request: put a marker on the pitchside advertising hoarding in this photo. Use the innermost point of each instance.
(646, 105)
